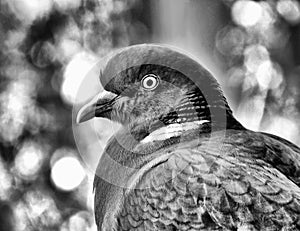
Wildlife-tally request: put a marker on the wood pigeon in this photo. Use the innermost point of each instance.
(181, 161)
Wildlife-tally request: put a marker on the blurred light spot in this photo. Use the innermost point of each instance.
(20, 212)
(40, 119)
(42, 54)
(254, 56)
(67, 4)
(68, 48)
(267, 19)
(268, 76)
(98, 27)
(251, 111)
(67, 173)
(104, 11)
(14, 38)
(264, 74)
(236, 76)
(119, 6)
(231, 41)
(69, 41)
(289, 10)
(38, 202)
(81, 221)
(278, 125)
(29, 10)
(5, 182)
(16, 102)
(249, 83)
(75, 72)
(36, 212)
(246, 13)
(264, 29)
(29, 160)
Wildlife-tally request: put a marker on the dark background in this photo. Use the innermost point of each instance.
(48, 47)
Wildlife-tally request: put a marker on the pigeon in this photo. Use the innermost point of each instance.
(181, 160)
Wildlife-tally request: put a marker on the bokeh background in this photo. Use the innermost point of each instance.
(47, 48)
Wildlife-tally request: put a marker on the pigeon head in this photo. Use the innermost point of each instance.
(158, 94)
(150, 87)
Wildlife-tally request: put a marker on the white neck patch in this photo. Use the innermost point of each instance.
(172, 130)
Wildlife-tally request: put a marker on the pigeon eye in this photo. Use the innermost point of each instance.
(150, 81)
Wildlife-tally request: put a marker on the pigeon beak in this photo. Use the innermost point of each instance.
(99, 106)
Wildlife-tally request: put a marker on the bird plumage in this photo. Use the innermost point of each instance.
(207, 173)
(232, 187)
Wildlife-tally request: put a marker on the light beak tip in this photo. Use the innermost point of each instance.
(85, 113)
(78, 119)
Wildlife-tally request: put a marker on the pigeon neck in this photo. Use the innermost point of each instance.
(193, 113)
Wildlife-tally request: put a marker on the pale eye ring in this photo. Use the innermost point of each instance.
(150, 81)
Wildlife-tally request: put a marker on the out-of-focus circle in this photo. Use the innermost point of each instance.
(42, 54)
(269, 75)
(268, 17)
(264, 74)
(231, 41)
(289, 10)
(29, 160)
(246, 13)
(81, 221)
(278, 125)
(29, 10)
(68, 48)
(15, 102)
(236, 76)
(76, 70)
(37, 210)
(67, 173)
(254, 55)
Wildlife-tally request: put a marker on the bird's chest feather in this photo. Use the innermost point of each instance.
(198, 189)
